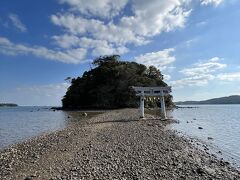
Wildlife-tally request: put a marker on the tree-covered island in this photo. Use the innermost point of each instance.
(8, 105)
(108, 85)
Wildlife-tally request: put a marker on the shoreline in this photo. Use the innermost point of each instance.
(210, 149)
(114, 144)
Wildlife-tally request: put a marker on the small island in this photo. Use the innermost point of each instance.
(8, 105)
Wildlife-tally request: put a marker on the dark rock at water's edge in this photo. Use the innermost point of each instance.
(187, 107)
(8, 105)
(56, 108)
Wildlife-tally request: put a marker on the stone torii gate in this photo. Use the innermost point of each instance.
(152, 92)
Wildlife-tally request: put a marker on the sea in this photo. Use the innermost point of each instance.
(18, 124)
(218, 126)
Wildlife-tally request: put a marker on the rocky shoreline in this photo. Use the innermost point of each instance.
(112, 145)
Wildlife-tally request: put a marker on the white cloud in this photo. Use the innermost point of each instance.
(102, 8)
(211, 2)
(200, 74)
(160, 59)
(48, 94)
(154, 17)
(69, 56)
(32, 95)
(99, 27)
(210, 66)
(166, 77)
(197, 80)
(98, 47)
(47, 90)
(17, 22)
(229, 76)
(137, 28)
(66, 41)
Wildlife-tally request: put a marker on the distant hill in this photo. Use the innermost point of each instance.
(235, 99)
(8, 105)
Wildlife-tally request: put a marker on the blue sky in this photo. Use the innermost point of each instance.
(195, 44)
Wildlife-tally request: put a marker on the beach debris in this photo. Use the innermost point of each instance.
(200, 127)
(84, 114)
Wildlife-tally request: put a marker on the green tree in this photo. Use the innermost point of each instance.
(108, 85)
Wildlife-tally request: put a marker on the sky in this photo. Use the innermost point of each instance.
(194, 43)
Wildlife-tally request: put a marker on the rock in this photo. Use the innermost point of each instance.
(84, 114)
(200, 170)
(29, 178)
(209, 170)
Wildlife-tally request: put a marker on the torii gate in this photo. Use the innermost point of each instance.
(152, 91)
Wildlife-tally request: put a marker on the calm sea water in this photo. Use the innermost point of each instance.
(220, 122)
(21, 123)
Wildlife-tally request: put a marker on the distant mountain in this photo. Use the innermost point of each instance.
(235, 99)
(8, 105)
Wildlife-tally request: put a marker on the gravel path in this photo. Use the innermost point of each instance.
(112, 145)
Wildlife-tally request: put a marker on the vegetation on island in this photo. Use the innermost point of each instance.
(235, 99)
(8, 105)
(108, 85)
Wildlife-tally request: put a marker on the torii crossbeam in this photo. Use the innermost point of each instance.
(153, 92)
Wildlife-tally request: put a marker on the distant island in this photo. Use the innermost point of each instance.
(8, 105)
(235, 99)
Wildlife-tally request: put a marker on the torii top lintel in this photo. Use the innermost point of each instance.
(152, 91)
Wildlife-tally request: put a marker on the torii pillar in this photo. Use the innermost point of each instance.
(163, 107)
(142, 105)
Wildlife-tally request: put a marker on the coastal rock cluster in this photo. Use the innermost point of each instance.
(112, 145)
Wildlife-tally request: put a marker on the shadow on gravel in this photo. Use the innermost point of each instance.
(125, 121)
(115, 121)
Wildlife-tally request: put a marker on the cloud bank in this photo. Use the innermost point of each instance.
(90, 28)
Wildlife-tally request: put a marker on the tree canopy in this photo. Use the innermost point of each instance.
(108, 85)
